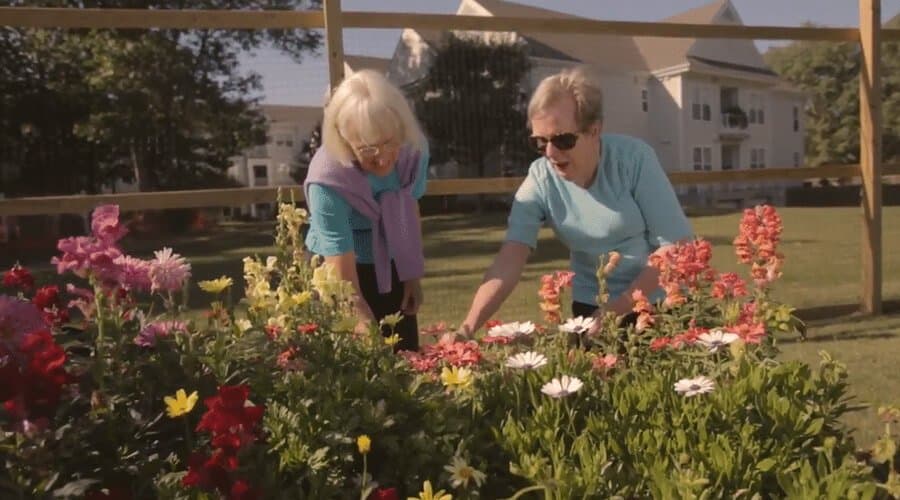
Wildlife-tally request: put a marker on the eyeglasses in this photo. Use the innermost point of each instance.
(370, 152)
(562, 142)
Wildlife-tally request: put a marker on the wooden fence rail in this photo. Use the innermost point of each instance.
(869, 35)
(233, 197)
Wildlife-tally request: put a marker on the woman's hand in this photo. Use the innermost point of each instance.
(412, 297)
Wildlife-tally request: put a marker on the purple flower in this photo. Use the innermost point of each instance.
(153, 331)
(168, 271)
(17, 318)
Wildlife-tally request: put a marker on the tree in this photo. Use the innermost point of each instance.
(305, 156)
(829, 72)
(164, 108)
(472, 102)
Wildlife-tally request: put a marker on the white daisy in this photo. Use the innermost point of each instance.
(512, 330)
(527, 360)
(461, 473)
(694, 386)
(577, 325)
(717, 339)
(562, 386)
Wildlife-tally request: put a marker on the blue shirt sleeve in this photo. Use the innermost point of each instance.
(528, 212)
(329, 221)
(422, 177)
(663, 215)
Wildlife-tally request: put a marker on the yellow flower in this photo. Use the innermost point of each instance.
(364, 444)
(427, 494)
(216, 285)
(456, 377)
(181, 404)
(301, 298)
(392, 340)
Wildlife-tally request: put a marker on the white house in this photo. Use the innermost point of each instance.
(702, 104)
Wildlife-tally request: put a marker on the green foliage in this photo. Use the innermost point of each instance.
(829, 73)
(472, 102)
(82, 109)
(764, 429)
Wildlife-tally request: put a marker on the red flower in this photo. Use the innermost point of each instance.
(492, 323)
(240, 490)
(383, 494)
(205, 473)
(307, 328)
(18, 277)
(228, 413)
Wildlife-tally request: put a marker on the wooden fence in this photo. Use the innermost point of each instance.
(869, 35)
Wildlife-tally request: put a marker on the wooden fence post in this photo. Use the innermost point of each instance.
(334, 40)
(870, 152)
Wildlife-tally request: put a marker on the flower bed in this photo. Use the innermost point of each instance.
(116, 392)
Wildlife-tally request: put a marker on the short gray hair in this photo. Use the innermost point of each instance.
(367, 107)
(579, 83)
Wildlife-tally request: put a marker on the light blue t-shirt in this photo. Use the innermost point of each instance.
(630, 208)
(336, 228)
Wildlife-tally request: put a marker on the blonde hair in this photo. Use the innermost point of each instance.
(368, 108)
(577, 82)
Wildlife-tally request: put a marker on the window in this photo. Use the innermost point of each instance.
(756, 114)
(757, 158)
(700, 107)
(645, 104)
(796, 159)
(702, 160)
(796, 119)
(260, 172)
(696, 105)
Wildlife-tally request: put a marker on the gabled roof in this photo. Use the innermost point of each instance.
(601, 51)
(740, 55)
(667, 52)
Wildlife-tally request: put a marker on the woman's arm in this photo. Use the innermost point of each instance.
(499, 281)
(345, 266)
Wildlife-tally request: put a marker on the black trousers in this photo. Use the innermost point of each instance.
(383, 304)
(588, 310)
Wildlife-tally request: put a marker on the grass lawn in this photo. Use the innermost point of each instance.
(822, 267)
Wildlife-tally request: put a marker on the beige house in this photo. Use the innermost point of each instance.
(702, 104)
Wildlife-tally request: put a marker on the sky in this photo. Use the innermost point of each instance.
(286, 82)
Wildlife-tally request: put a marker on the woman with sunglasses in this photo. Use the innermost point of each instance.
(362, 190)
(599, 192)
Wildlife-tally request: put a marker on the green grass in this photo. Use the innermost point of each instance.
(821, 246)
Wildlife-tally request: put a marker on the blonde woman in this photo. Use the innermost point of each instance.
(362, 190)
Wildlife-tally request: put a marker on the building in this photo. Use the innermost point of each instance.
(703, 104)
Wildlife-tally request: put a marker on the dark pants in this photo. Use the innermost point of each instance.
(588, 310)
(383, 304)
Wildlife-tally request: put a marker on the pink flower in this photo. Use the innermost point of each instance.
(750, 333)
(84, 302)
(660, 343)
(18, 318)
(644, 321)
(729, 285)
(105, 224)
(168, 271)
(604, 364)
(153, 331)
(420, 363)
(134, 273)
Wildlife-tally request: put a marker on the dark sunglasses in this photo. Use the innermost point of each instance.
(562, 142)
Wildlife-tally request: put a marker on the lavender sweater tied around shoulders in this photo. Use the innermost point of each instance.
(395, 228)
